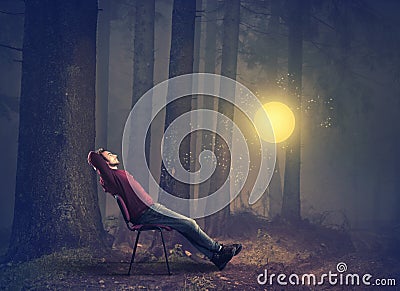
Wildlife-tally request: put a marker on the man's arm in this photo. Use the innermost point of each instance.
(98, 162)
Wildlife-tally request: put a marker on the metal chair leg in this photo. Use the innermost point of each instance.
(134, 252)
(165, 251)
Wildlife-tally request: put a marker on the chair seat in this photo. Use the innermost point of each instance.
(141, 227)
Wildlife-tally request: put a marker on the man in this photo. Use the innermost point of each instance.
(143, 210)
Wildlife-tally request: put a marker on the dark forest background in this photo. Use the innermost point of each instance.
(70, 71)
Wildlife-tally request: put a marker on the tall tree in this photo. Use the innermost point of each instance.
(181, 62)
(197, 36)
(230, 44)
(56, 201)
(291, 188)
(207, 138)
(103, 56)
(143, 72)
(271, 63)
(275, 187)
(197, 100)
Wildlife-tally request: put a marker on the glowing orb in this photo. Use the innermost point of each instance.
(282, 121)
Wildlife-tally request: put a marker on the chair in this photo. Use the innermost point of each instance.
(139, 228)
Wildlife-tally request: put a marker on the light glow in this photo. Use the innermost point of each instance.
(282, 122)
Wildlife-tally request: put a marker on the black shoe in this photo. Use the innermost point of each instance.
(222, 257)
(238, 248)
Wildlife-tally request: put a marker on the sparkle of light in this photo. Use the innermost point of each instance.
(282, 121)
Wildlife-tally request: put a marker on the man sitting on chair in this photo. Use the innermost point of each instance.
(143, 210)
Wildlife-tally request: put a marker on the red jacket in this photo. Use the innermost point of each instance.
(122, 183)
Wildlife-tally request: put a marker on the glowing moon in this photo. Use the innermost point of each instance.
(282, 121)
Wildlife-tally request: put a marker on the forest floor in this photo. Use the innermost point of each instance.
(277, 247)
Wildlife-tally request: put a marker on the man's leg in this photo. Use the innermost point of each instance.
(159, 214)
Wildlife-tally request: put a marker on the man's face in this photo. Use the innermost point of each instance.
(111, 158)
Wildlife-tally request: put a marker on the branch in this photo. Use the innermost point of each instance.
(11, 47)
(254, 12)
(257, 30)
(324, 23)
(254, 28)
(11, 13)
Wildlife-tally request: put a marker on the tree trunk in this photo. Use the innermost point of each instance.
(197, 100)
(273, 48)
(181, 62)
(56, 202)
(230, 43)
(103, 48)
(275, 187)
(143, 72)
(207, 137)
(197, 35)
(291, 188)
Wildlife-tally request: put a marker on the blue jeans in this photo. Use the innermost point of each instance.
(188, 227)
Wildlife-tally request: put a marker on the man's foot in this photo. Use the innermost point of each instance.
(222, 257)
(238, 248)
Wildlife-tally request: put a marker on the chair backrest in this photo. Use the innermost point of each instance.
(123, 208)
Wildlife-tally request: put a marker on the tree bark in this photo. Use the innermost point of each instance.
(103, 56)
(291, 189)
(143, 72)
(272, 47)
(207, 137)
(56, 202)
(228, 68)
(197, 100)
(197, 37)
(181, 62)
(274, 190)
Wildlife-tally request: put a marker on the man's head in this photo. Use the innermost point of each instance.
(111, 159)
